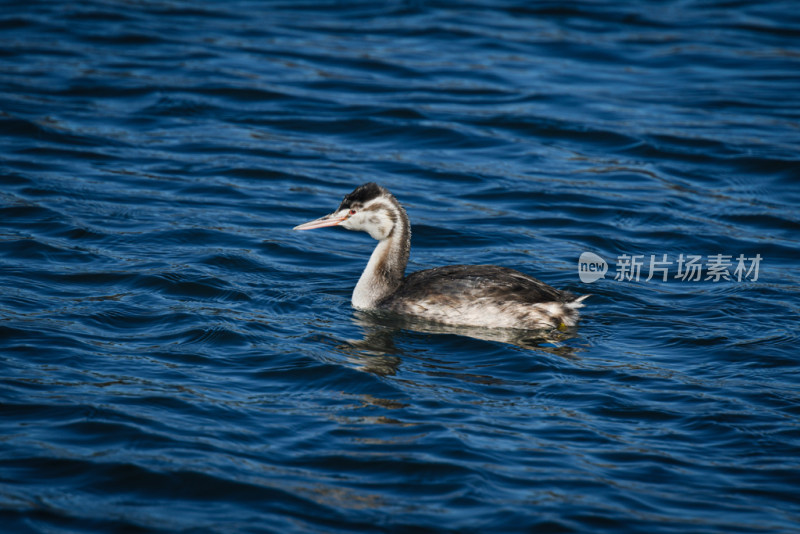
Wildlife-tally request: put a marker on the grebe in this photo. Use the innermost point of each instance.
(468, 295)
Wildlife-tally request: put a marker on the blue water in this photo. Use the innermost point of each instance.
(173, 358)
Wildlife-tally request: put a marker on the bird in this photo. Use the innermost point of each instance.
(487, 296)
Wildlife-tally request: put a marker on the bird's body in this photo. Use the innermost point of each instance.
(481, 295)
(470, 295)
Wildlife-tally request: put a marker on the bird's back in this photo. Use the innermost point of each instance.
(483, 295)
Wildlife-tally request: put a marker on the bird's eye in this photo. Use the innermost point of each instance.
(352, 212)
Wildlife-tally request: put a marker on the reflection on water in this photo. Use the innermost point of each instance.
(377, 352)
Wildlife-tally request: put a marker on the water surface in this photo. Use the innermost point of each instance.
(174, 358)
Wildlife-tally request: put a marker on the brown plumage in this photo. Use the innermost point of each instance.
(475, 295)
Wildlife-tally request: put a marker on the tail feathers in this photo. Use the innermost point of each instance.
(578, 302)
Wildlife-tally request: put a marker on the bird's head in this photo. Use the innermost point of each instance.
(369, 208)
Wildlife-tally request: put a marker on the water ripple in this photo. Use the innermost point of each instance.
(166, 341)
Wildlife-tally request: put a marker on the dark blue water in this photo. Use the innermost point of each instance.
(174, 358)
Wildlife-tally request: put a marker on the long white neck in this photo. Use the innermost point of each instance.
(386, 267)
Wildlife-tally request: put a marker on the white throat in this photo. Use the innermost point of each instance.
(382, 275)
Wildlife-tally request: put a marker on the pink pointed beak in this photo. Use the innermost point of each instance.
(322, 222)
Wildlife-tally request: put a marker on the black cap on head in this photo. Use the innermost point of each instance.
(363, 193)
